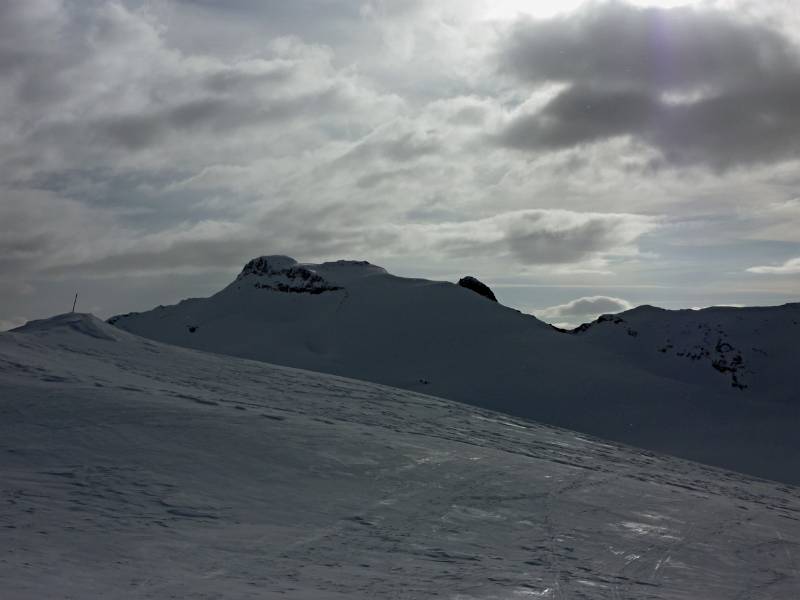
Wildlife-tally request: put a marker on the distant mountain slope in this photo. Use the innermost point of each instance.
(132, 469)
(354, 319)
(754, 348)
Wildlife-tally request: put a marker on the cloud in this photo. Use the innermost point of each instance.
(790, 267)
(697, 85)
(12, 323)
(165, 143)
(543, 237)
(400, 147)
(582, 310)
(209, 116)
(529, 238)
(115, 95)
(135, 157)
(204, 246)
(622, 46)
(39, 229)
(580, 115)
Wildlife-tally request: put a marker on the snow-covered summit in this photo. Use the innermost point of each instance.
(81, 323)
(344, 272)
(751, 348)
(285, 274)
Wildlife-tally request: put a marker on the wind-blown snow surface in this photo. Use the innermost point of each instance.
(354, 319)
(131, 469)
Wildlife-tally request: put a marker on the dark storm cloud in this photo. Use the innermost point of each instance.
(699, 86)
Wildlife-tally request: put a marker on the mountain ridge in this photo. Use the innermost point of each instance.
(443, 339)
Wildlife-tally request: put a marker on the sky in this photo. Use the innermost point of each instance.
(579, 157)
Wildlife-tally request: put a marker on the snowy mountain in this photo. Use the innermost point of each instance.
(751, 348)
(354, 319)
(133, 469)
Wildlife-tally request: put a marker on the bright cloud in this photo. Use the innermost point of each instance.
(581, 310)
(790, 267)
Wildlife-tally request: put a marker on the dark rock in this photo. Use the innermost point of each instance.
(267, 265)
(284, 274)
(471, 283)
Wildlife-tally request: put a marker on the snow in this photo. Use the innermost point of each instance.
(442, 339)
(747, 348)
(86, 324)
(132, 469)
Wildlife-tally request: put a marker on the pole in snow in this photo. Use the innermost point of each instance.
(74, 302)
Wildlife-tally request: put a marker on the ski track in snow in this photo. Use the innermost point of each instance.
(131, 469)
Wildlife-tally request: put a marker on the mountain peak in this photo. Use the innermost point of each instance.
(284, 274)
(268, 265)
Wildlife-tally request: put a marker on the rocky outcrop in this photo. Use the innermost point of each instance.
(267, 265)
(284, 274)
(471, 283)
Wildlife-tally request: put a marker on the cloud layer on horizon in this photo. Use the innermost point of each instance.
(790, 267)
(581, 310)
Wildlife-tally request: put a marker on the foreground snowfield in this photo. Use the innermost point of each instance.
(131, 469)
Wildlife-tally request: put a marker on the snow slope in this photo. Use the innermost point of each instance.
(354, 319)
(132, 469)
(751, 348)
